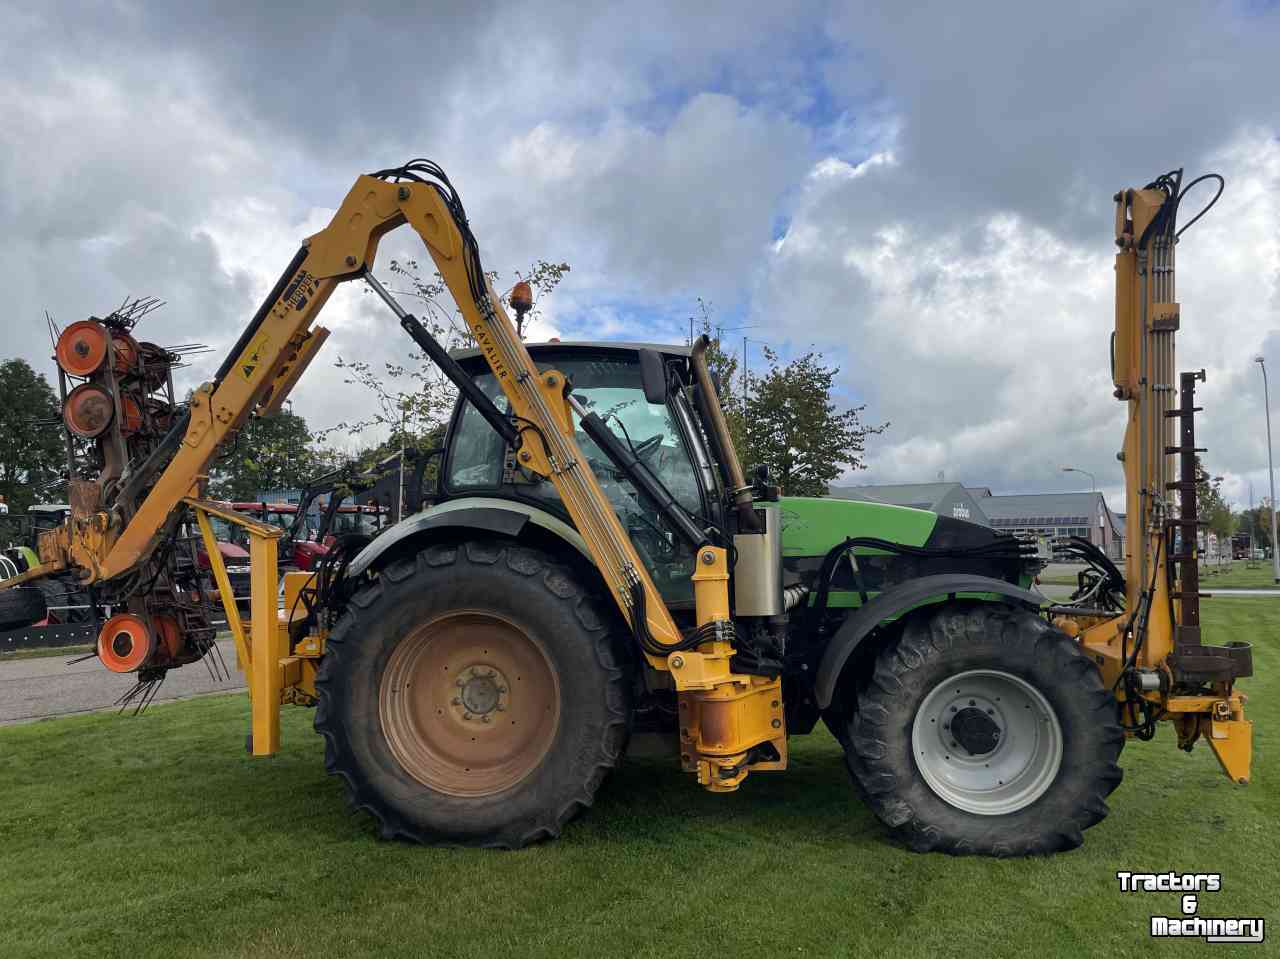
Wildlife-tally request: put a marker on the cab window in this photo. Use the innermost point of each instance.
(610, 388)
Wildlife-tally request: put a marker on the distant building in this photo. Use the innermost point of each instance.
(1057, 514)
(945, 499)
(1041, 516)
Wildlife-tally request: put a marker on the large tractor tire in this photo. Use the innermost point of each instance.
(475, 694)
(984, 730)
(21, 606)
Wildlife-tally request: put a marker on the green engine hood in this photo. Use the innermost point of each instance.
(811, 526)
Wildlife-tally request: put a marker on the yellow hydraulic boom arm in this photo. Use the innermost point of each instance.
(279, 342)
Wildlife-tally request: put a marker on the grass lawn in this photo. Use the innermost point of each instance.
(158, 836)
(1236, 575)
(45, 652)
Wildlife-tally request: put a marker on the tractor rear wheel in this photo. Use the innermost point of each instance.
(473, 694)
(21, 606)
(984, 730)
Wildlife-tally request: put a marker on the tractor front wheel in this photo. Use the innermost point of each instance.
(985, 730)
(473, 695)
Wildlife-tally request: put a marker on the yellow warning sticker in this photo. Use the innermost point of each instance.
(254, 355)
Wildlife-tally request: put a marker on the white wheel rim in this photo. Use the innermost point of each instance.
(987, 742)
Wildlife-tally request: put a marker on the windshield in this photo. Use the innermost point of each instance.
(611, 388)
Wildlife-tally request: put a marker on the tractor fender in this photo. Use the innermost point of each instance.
(488, 514)
(893, 602)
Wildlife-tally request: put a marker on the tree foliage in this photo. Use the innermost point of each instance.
(32, 453)
(787, 419)
(412, 399)
(269, 454)
(1256, 523)
(1212, 507)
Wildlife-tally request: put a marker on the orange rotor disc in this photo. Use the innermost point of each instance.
(82, 347)
(125, 643)
(88, 410)
(169, 634)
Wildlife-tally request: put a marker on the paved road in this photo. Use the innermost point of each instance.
(37, 688)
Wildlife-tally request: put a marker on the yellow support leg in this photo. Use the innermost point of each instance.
(266, 649)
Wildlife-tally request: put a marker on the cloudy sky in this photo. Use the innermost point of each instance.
(922, 196)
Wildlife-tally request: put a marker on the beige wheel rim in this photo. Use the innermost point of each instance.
(469, 704)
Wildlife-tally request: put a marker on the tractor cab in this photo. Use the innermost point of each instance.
(661, 430)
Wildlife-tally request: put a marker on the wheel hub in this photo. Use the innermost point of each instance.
(975, 731)
(483, 691)
(987, 742)
(469, 703)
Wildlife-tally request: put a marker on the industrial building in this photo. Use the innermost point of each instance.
(1039, 515)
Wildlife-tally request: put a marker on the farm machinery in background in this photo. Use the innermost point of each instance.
(595, 563)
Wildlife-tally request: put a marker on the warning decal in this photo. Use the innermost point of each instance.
(253, 356)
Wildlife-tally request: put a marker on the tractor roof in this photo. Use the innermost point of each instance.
(614, 346)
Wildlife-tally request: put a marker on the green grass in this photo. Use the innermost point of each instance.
(158, 836)
(1236, 575)
(44, 652)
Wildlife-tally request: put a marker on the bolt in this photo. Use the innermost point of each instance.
(946, 725)
(953, 709)
(553, 380)
(501, 708)
(461, 682)
(466, 715)
(708, 558)
(502, 689)
(972, 703)
(777, 724)
(525, 456)
(775, 704)
(403, 193)
(991, 712)
(457, 701)
(953, 745)
(351, 261)
(677, 662)
(485, 718)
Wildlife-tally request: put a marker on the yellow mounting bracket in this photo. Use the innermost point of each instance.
(259, 652)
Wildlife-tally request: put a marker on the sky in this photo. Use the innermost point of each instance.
(919, 192)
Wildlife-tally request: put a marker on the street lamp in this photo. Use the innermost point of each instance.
(1271, 467)
(1092, 478)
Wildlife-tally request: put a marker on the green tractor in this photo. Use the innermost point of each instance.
(969, 723)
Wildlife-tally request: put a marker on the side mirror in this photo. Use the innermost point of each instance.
(653, 377)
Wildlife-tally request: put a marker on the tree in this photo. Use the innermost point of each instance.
(270, 453)
(787, 419)
(791, 423)
(1210, 505)
(32, 451)
(412, 400)
(1256, 523)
